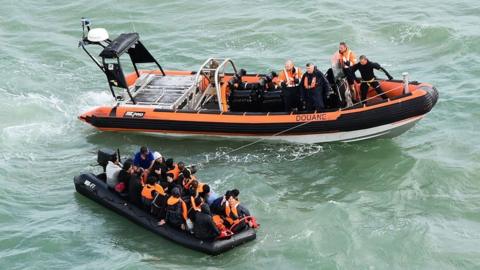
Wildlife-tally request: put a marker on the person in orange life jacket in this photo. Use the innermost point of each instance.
(205, 229)
(218, 205)
(194, 205)
(288, 80)
(346, 58)
(314, 88)
(143, 159)
(368, 77)
(150, 190)
(176, 211)
(124, 176)
(159, 203)
(232, 216)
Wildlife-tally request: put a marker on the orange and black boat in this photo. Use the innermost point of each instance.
(203, 102)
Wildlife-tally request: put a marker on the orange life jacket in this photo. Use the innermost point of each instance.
(173, 201)
(189, 182)
(200, 187)
(147, 191)
(231, 213)
(286, 75)
(175, 171)
(311, 85)
(347, 58)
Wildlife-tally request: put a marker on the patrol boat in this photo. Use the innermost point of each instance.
(203, 103)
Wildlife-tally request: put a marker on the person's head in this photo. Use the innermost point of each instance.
(114, 158)
(151, 180)
(342, 47)
(235, 193)
(232, 200)
(127, 165)
(363, 60)
(194, 184)
(206, 189)
(198, 201)
(289, 65)
(310, 68)
(181, 165)
(176, 192)
(227, 195)
(157, 157)
(144, 152)
(186, 173)
(169, 162)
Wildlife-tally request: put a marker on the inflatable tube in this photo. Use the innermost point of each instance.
(94, 188)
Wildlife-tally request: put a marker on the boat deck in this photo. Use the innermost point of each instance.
(166, 92)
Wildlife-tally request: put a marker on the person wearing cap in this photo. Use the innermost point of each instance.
(176, 212)
(143, 159)
(205, 229)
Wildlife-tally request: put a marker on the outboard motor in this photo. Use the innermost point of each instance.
(104, 156)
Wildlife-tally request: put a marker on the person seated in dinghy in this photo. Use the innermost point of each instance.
(124, 176)
(204, 227)
(366, 68)
(176, 211)
(143, 159)
(112, 170)
(159, 168)
(150, 191)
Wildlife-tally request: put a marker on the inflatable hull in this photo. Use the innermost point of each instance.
(377, 119)
(94, 188)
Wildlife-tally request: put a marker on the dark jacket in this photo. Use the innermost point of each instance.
(366, 71)
(322, 83)
(135, 190)
(204, 227)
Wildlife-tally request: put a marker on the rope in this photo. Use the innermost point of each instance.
(292, 128)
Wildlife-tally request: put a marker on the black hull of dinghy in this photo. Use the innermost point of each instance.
(92, 187)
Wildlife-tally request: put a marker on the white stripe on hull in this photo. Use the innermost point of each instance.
(384, 131)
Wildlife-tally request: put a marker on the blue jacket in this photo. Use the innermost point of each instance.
(144, 163)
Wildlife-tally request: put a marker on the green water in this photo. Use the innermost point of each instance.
(412, 202)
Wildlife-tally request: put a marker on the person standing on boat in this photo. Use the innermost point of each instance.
(288, 80)
(343, 60)
(366, 68)
(314, 87)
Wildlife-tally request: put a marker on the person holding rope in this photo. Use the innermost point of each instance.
(366, 68)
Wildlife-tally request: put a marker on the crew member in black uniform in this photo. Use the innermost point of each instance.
(368, 77)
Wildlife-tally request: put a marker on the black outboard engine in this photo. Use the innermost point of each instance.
(104, 156)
